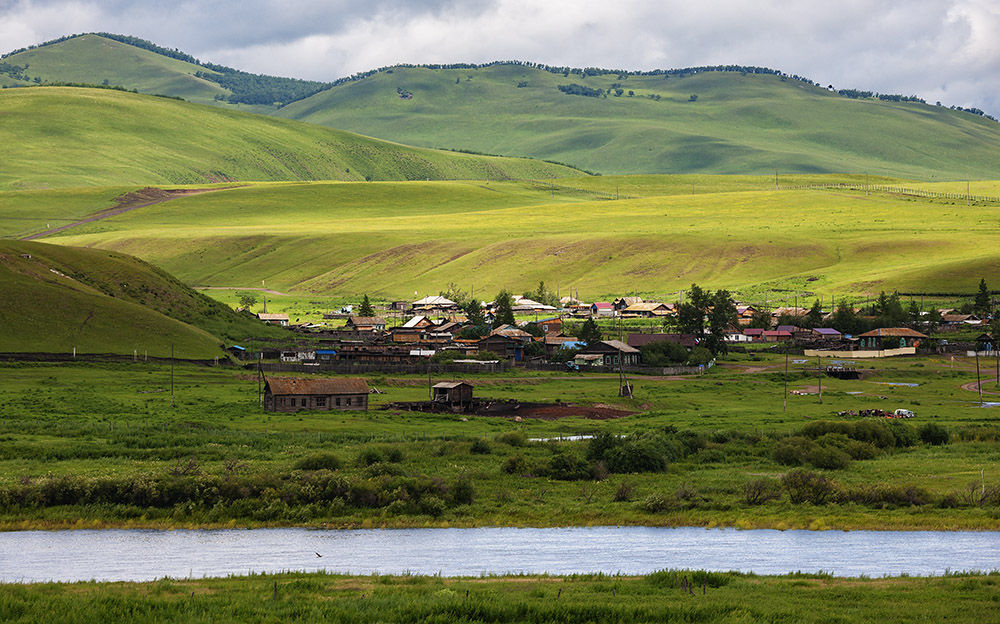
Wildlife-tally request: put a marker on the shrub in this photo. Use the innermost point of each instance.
(480, 447)
(670, 579)
(933, 434)
(904, 434)
(760, 491)
(567, 467)
(624, 493)
(804, 486)
(657, 502)
(369, 456)
(883, 495)
(699, 355)
(512, 438)
(319, 461)
(432, 506)
(462, 492)
(828, 457)
(380, 469)
(394, 454)
(515, 464)
(792, 451)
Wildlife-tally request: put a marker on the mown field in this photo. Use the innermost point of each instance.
(391, 239)
(739, 123)
(57, 137)
(658, 597)
(99, 445)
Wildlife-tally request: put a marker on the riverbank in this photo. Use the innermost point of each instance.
(663, 596)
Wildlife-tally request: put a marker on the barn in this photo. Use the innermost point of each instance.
(291, 394)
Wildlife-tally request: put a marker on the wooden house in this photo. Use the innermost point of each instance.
(454, 393)
(291, 394)
(613, 353)
(602, 308)
(551, 326)
(648, 309)
(274, 319)
(890, 338)
(621, 303)
(365, 323)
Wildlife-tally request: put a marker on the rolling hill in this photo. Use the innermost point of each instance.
(65, 137)
(663, 233)
(708, 120)
(57, 298)
(704, 121)
(133, 63)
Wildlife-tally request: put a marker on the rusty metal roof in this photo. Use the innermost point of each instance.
(302, 385)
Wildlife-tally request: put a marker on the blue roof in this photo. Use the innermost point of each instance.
(237, 347)
(325, 352)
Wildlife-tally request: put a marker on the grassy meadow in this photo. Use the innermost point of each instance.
(738, 124)
(658, 597)
(391, 239)
(78, 451)
(55, 137)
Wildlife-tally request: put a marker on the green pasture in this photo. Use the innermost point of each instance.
(68, 425)
(738, 124)
(391, 239)
(52, 137)
(659, 597)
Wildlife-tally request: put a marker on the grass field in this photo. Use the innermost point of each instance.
(298, 597)
(392, 239)
(59, 298)
(739, 123)
(53, 137)
(99, 445)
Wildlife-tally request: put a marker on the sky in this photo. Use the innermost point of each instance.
(941, 50)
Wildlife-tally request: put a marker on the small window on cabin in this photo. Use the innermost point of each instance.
(348, 400)
(616, 359)
(320, 401)
(338, 401)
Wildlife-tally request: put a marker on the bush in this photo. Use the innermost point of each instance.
(394, 454)
(515, 464)
(905, 435)
(792, 451)
(888, 495)
(699, 355)
(657, 502)
(319, 461)
(369, 456)
(512, 438)
(432, 506)
(462, 492)
(760, 491)
(828, 457)
(933, 434)
(568, 467)
(804, 486)
(624, 493)
(480, 447)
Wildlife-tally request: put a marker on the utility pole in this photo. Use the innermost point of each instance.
(171, 375)
(260, 379)
(819, 378)
(784, 406)
(979, 382)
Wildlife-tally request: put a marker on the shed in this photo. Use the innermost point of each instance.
(291, 394)
(613, 353)
(453, 392)
(273, 319)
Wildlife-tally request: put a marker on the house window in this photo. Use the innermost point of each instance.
(304, 402)
(320, 401)
(338, 401)
(616, 359)
(348, 400)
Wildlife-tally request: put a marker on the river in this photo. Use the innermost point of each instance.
(143, 555)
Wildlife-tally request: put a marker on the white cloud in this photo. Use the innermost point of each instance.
(938, 49)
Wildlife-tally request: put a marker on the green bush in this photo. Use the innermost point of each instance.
(462, 492)
(480, 447)
(512, 438)
(566, 466)
(657, 502)
(804, 486)
(828, 457)
(369, 456)
(515, 464)
(792, 451)
(933, 434)
(760, 491)
(319, 461)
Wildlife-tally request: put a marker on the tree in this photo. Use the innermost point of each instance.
(504, 314)
(761, 319)
(663, 353)
(889, 311)
(914, 313)
(247, 300)
(365, 309)
(691, 313)
(474, 312)
(590, 332)
(721, 316)
(982, 302)
(815, 315)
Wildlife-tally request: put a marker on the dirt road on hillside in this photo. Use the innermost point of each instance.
(129, 201)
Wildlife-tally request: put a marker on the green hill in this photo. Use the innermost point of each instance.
(707, 121)
(57, 298)
(133, 63)
(66, 136)
(665, 232)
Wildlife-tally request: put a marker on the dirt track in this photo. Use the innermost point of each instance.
(129, 201)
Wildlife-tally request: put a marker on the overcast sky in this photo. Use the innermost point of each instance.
(947, 50)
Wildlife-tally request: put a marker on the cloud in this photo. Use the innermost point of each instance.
(939, 49)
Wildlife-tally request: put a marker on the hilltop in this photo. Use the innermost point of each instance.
(710, 121)
(58, 297)
(68, 136)
(725, 119)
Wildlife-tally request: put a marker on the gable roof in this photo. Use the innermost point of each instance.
(451, 384)
(618, 345)
(435, 300)
(894, 332)
(602, 305)
(266, 316)
(366, 320)
(827, 331)
(302, 385)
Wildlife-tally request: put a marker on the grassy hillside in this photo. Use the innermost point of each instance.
(753, 123)
(57, 298)
(394, 238)
(63, 136)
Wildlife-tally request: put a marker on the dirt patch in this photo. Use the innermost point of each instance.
(973, 386)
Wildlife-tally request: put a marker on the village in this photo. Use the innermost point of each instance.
(626, 336)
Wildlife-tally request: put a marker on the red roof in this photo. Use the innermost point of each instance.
(894, 332)
(603, 305)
